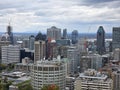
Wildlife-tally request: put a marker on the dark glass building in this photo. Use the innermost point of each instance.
(116, 37)
(74, 37)
(101, 40)
(64, 33)
(9, 31)
(24, 54)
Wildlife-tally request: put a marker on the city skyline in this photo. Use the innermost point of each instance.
(82, 15)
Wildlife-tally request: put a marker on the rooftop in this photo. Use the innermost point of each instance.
(92, 74)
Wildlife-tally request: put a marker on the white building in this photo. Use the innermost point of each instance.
(116, 54)
(39, 50)
(48, 73)
(93, 80)
(73, 60)
(10, 54)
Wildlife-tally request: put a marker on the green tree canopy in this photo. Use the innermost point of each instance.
(50, 87)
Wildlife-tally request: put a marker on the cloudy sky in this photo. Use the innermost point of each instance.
(38, 15)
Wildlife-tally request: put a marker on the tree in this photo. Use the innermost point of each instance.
(50, 87)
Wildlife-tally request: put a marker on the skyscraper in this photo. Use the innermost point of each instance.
(54, 33)
(100, 40)
(31, 42)
(74, 37)
(39, 50)
(72, 55)
(64, 33)
(9, 31)
(116, 37)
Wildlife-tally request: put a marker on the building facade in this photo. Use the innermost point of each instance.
(93, 80)
(3, 43)
(116, 37)
(73, 60)
(48, 73)
(74, 37)
(93, 61)
(31, 42)
(64, 33)
(10, 54)
(101, 40)
(39, 50)
(116, 79)
(54, 33)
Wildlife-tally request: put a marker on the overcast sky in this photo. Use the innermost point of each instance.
(38, 15)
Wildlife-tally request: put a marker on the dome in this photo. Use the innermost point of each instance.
(5, 37)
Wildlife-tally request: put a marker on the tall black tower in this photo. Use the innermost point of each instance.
(74, 36)
(9, 31)
(101, 40)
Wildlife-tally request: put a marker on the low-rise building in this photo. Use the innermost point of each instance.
(93, 80)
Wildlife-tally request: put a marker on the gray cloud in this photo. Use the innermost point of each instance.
(26, 14)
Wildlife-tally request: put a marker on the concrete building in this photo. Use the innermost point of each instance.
(93, 61)
(116, 37)
(48, 73)
(116, 79)
(25, 43)
(73, 63)
(10, 54)
(24, 66)
(116, 54)
(101, 40)
(51, 48)
(39, 50)
(3, 43)
(93, 80)
(70, 83)
(54, 33)
(31, 42)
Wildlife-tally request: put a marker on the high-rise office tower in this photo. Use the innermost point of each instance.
(25, 43)
(64, 33)
(48, 73)
(93, 61)
(116, 37)
(10, 54)
(39, 50)
(31, 42)
(9, 31)
(116, 54)
(72, 55)
(54, 33)
(74, 37)
(101, 40)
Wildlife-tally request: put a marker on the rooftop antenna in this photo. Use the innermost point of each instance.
(9, 28)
